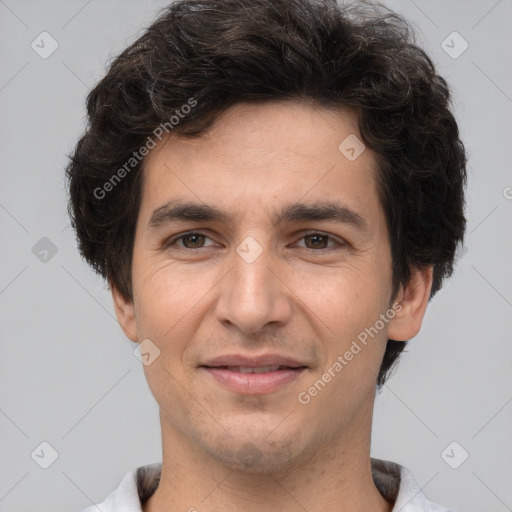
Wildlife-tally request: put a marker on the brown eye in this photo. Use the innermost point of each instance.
(318, 241)
(191, 240)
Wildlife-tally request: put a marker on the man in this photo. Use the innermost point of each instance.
(274, 191)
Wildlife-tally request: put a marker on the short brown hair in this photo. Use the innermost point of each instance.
(221, 52)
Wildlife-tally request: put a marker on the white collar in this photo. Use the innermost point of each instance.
(395, 482)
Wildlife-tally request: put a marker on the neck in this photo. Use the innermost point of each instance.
(333, 476)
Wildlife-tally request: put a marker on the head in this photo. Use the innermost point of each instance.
(231, 118)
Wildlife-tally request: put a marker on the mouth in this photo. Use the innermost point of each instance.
(254, 380)
(256, 369)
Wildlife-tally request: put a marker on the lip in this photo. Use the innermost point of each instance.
(253, 383)
(253, 361)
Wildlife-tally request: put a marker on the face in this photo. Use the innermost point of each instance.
(287, 265)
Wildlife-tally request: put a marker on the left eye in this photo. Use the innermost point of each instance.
(318, 241)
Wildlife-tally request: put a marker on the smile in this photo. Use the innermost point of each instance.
(254, 380)
(258, 369)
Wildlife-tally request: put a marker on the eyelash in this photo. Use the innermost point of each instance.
(170, 242)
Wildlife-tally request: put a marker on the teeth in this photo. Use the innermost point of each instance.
(258, 369)
(262, 369)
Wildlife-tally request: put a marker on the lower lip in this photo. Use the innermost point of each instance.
(254, 383)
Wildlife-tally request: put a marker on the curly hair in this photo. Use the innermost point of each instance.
(213, 54)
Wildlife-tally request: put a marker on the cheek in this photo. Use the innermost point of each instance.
(345, 311)
(344, 300)
(346, 306)
(166, 307)
(166, 297)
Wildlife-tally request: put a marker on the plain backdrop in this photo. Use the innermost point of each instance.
(68, 376)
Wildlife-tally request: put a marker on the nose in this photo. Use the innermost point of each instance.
(253, 294)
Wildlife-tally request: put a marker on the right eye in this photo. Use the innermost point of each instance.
(192, 238)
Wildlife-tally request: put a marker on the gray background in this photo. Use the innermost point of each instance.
(68, 375)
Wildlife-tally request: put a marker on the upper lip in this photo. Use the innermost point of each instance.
(253, 361)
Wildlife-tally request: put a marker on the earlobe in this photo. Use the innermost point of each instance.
(125, 313)
(413, 300)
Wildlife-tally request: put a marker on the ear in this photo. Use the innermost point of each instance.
(413, 300)
(125, 313)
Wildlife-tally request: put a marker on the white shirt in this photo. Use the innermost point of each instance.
(394, 482)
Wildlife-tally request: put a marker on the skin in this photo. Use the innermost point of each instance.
(303, 296)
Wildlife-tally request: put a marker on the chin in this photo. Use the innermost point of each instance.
(255, 458)
(260, 453)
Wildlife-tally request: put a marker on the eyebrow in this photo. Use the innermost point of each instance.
(176, 211)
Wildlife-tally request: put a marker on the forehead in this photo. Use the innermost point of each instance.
(257, 156)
